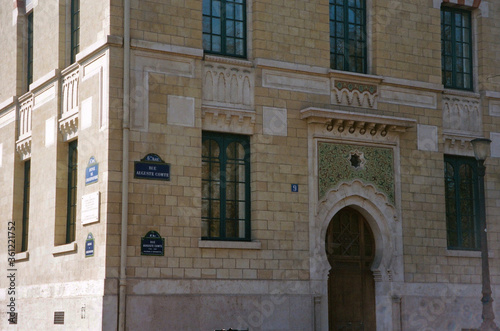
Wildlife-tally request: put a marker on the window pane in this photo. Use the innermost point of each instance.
(224, 186)
(456, 47)
(461, 222)
(347, 35)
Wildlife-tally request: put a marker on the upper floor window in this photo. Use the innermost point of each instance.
(29, 51)
(348, 35)
(461, 197)
(72, 190)
(224, 27)
(75, 29)
(456, 48)
(225, 187)
(26, 206)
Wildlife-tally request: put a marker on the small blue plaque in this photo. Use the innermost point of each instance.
(89, 245)
(295, 187)
(153, 244)
(92, 172)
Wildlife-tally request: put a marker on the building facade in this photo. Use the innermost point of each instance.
(247, 164)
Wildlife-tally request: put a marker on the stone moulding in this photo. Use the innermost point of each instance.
(354, 94)
(228, 120)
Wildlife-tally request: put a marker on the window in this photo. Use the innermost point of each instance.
(348, 35)
(72, 187)
(225, 187)
(75, 29)
(461, 194)
(224, 27)
(456, 48)
(29, 52)
(26, 206)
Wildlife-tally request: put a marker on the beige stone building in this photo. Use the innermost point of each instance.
(247, 164)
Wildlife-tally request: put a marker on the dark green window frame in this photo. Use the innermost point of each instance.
(72, 190)
(456, 48)
(29, 51)
(224, 27)
(26, 206)
(461, 196)
(225, 187)
(75, 29)
(348, 43)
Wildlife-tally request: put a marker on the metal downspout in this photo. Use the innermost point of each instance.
(122, 297)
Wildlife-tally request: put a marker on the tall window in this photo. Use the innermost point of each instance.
(72, 187)
(75, 29)
(456, 48)
(461, 203)
(29, 51)
(224, 27)
(348, 35)
(225, 187)
(26, 206)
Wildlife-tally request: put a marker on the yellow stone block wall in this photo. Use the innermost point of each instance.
(171, 22)
(291, 31)
(406, 40)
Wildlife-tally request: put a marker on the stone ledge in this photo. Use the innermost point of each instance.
(229, 244)
(22, 256)
(63, 249)
(458, 253)
(166, 48)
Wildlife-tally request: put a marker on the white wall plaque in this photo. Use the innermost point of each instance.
(274, 121)
(427, 138)
(90, 208)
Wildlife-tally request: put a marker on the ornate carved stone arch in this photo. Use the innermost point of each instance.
(387, 230)
(383, 221)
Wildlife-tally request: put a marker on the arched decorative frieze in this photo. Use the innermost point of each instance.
(354, 94)
(228, 84)
(461, 114)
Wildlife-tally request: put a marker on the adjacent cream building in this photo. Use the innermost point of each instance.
(247, 164)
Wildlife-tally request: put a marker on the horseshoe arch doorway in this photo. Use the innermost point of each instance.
(350, 248)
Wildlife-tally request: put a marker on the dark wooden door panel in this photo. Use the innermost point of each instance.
(351, 288)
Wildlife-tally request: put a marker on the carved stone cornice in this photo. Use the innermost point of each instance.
(23, 147)
(356, 123)
(228, 120)
(69, 126)
(456, 143)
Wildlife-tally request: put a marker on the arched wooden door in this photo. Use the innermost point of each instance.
(350, 247)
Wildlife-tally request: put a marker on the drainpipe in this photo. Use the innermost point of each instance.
(122, 296)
